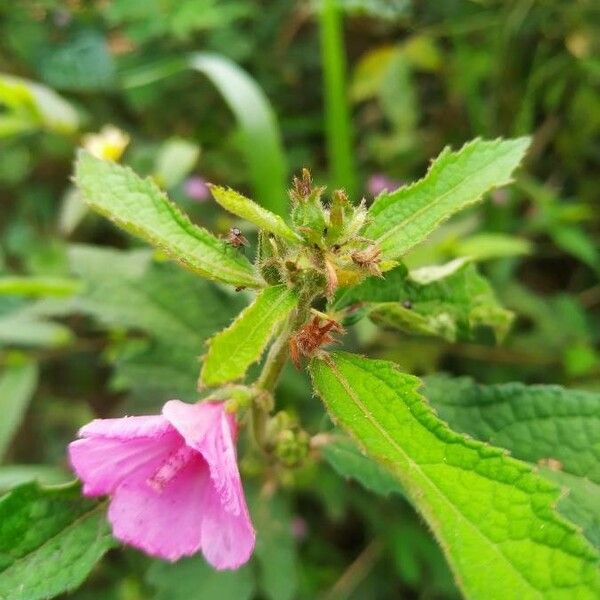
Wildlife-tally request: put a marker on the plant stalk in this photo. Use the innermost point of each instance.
(337, 111)
(275, 362)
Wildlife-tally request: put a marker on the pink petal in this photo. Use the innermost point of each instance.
(167, 523)
(103, 463)
(127, 427)
(208, 428)
(227, 539)
(113, 449)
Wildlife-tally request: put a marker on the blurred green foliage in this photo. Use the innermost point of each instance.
(419, 75)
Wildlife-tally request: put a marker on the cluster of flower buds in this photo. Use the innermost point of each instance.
(334, 253)
(289, 442)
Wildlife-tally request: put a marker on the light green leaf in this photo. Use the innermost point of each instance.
(404, 218)
(193, 579)
(234, 349)
(488, 245)
(451, 307)
(176, 158)
(141, 208)
(17, 385)
(177, 311)
(543, 424)
(34, 106)
(430, 273)
(349, 462)
(21, 327)
(50, 539)
(14, 475)
(72, 211)
(245, 208)
(580, 502)
(38, 286)
(485, 508)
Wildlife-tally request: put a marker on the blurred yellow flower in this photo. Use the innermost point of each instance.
(108, 144)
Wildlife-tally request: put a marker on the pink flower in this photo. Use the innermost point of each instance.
(379, 183)
(173, 480)
(196, 189)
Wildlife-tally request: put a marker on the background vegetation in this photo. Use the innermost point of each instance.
(102, 333)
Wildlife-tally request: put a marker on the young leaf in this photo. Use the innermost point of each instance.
(245, 208)
(234, 349)
(50, 539)
(450, 307)
(484, 507)
(141, 208)
(404, 218)
(543, 424)
(17, 385)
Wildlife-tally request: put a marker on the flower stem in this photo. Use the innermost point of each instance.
(275, 362)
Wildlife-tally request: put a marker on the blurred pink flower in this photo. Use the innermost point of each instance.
(299, 528)
(195, 188)
(378, 183)
(173, 480)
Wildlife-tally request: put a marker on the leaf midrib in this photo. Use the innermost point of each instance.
(439, 198)
(238, 347)
(196, 263)
(343, 381)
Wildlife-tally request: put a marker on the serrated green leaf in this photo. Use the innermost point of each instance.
(17, 385)
(404, 218)
(50, 539)
(349, 462)
(234, 349)
(542, 424)
(247, 209)
(141, 208)
(193, 579)
(451, 307)
(485, 508)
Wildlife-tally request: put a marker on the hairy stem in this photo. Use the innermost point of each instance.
(275, 362)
